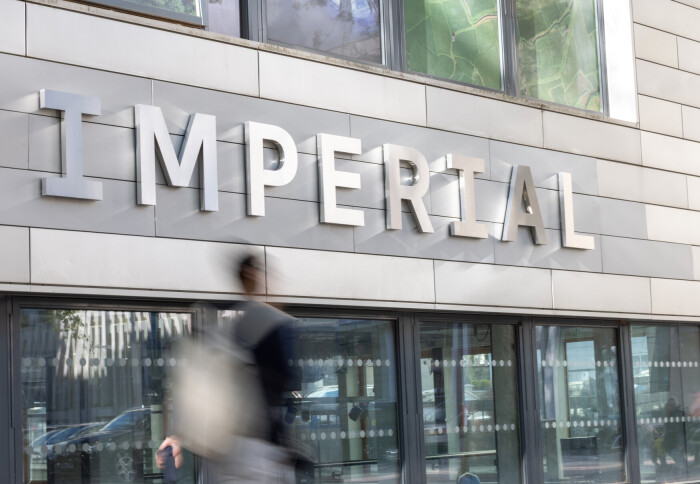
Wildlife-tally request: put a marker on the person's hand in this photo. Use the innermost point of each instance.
(174, 443)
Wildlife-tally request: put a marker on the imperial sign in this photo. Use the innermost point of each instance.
(153, 140)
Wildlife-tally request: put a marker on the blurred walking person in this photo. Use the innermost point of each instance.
(229, 400)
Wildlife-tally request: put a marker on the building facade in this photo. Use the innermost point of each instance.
(483, 214)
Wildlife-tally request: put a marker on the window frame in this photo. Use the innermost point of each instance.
(404, 388)
(507, 55)
(602, 65)
(627, 419)
(618, 94)
(469, 319)
(258, 8)
(254, 27)
(510, 57)
(618, 97)
(14, 323)
(406, 324)
(629, 363)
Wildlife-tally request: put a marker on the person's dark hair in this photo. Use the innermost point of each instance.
(247, 266)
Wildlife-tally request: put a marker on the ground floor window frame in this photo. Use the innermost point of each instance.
(407, 340)
(10, 321)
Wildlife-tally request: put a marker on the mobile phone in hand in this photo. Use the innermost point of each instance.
(169, 471)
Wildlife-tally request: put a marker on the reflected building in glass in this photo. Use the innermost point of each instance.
(93, 392)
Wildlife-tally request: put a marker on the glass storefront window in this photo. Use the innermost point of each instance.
(470, 403)
(579, 398)
(344, 416)
(666, 370)
(454, 39)
(94, 406)
(345, 28)
(558, 52)
(93, 385)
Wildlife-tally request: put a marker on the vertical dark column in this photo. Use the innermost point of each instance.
(253, 16)
(602, 62)
(531, 442)
(7, 436)
(410, 402)
(505, 406)
(152, 395)
(440, 402)
(629, 427)
(509, 40)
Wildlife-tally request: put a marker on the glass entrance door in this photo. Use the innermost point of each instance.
(469, 397)
(344, 415)
(580, 416)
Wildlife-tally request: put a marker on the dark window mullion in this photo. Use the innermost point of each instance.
(11, 461)
(629, 428)
(252, 19)
(413, 471)
(243, 7)
(509, 38)
(602, 64)
(15, 353)
(394, 35)
(530, 418)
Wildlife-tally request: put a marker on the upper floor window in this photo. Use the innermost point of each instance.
(345, 28)
(558, 57)
(455, 39)
(576, 53)
(546, 50)
(224, 17)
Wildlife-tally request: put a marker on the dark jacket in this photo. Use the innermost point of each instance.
(268, 332)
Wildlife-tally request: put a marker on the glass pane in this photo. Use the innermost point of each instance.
(186, 7)
(580, 419)
(454, 39)
(558, 51)
(470, 406)
(667, 403)
(344, 416)
(92, 394)
(224, 17)
(690, 379)
(347, 28)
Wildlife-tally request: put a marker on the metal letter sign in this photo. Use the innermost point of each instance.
(522, 189)
(413, 194)
(72, 184)
(466, 167)
(569, 238)
(152, 138)
(326, 146)
(199, 145)
(257, 177)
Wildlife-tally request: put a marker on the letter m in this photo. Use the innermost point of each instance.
(152, 139)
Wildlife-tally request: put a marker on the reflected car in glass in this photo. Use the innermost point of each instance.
(113, 453)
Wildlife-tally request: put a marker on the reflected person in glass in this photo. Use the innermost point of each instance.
(670, 444)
